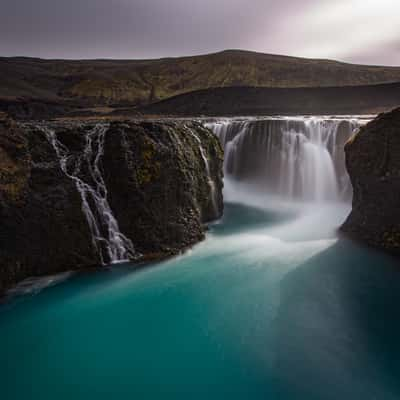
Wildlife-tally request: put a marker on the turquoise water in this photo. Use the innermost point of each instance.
(254, 312)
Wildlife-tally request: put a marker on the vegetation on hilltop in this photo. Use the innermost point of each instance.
(139, 82)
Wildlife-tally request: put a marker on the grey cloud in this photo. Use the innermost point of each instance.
(386, 54)
(158, 28)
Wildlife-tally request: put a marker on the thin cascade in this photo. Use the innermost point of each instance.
(111, 245)
(210, 181)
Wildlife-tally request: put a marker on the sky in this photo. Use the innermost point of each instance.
(358, 31)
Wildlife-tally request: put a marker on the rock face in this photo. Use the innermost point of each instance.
(161, 181)
(373, 162)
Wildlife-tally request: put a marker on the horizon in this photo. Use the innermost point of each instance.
(197, 55)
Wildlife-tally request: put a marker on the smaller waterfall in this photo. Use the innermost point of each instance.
(210, 181)
(85, 171)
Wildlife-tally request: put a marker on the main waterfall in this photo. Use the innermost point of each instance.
(299, 158)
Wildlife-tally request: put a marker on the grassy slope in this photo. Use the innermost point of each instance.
(141, 82)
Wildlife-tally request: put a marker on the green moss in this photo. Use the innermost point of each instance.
(150, 168)
(391, 238)
(13, 177)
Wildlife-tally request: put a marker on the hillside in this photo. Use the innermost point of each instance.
(140, 82)
(369, 99)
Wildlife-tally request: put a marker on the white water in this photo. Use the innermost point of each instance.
(112, 246)
(210, 181)
(299, 158)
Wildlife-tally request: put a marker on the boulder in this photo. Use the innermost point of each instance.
(373, 163)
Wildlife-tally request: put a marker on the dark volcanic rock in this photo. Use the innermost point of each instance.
(157, 186)
(42, 229)
(373, 162)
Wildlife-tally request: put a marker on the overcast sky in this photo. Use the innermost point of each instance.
(362, 31)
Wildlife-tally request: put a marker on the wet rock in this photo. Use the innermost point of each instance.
(156, 180)
(158, 185)
(373, 162)
(42, 229)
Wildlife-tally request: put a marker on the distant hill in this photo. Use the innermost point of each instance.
(369, 99)
(141, 82)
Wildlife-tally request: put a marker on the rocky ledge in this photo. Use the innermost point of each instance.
(76, 195)
(373, 162)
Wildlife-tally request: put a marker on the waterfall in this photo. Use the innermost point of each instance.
(210, 181)
(298, 158)
(85, 170)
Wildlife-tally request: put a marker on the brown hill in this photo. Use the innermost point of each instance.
(139, 82)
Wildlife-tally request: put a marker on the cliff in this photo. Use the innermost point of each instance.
(373, 162)
(76, 195)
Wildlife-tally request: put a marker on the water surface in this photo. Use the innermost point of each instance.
(257, 311)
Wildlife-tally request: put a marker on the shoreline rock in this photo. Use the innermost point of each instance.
(373, 163)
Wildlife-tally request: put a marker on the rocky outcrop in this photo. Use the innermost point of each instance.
(162, 181)
(373, 162)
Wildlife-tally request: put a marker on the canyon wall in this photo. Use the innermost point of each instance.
(80, 194)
